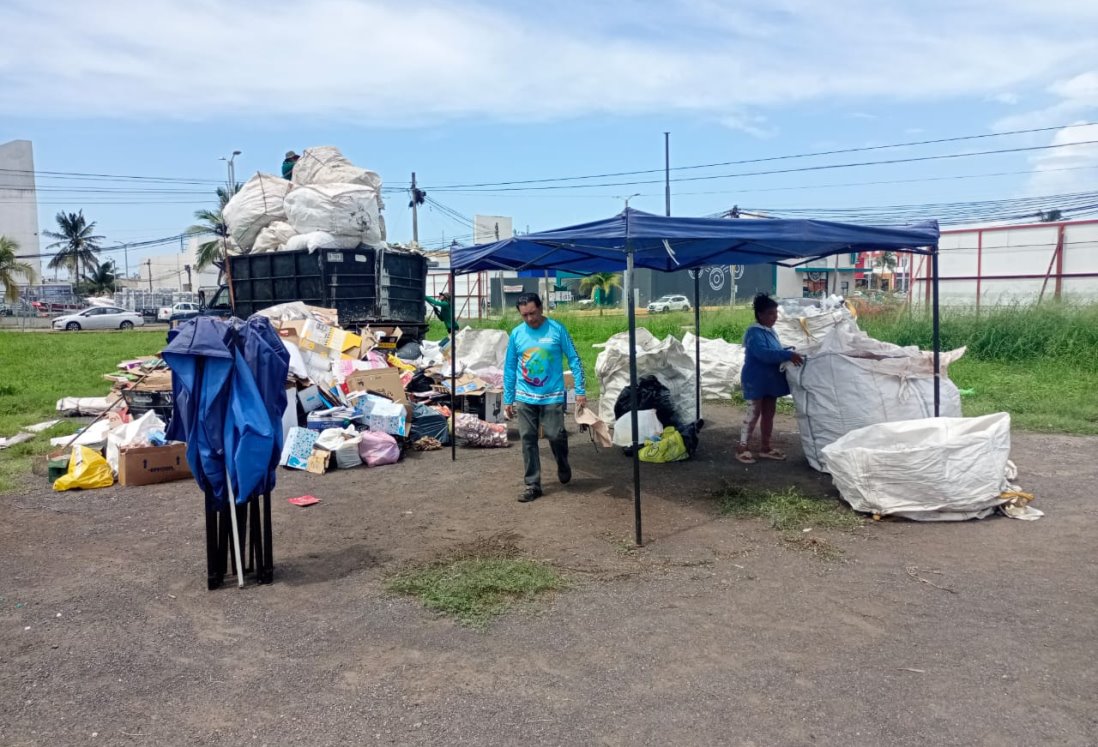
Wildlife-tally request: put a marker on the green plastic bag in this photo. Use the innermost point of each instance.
(669, 447)
(87, 469)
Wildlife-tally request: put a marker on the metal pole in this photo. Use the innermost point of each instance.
(633, 393)
(667, 172)
(697, 347)
(936, 333)
(453, 366)
(415, 214)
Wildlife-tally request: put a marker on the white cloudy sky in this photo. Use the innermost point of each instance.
(529, 88)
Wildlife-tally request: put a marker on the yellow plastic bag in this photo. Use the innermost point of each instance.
(87, 469)
(400, 365)
(669, 448)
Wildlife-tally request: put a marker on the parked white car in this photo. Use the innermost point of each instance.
(669, 303)
(99, 317)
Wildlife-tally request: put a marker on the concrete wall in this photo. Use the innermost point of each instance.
(19, 200)
(1011, 265)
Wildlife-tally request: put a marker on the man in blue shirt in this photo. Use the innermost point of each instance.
(533, 387)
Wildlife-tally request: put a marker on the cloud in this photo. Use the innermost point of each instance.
(371, 62)
(1068, 169)
(1010, 99)
(753, 124)
(1074, 97)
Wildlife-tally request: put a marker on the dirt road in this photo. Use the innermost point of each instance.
(716, 632)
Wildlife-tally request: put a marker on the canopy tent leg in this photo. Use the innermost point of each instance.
(236, 530)
(697, 347)
(453, 370)
(215, 571)
(936, 323)
(268, 538)
(632, 311)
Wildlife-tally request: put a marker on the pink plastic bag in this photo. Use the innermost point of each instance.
(377, 448)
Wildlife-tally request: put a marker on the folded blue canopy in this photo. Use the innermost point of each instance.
(671, 243)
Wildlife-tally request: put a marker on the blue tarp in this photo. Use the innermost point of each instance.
(670, 243)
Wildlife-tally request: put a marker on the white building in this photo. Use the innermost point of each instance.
(19, 201)
(173, 271)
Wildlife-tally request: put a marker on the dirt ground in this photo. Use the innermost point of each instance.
(717, 631)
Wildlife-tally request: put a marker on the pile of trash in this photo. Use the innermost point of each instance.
(329, 202)
(352, 399)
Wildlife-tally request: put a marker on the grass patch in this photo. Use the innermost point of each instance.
(39, 368)
(477, 582)
(817, 546)
(787, 510)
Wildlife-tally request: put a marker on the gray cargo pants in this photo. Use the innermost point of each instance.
(551, 420)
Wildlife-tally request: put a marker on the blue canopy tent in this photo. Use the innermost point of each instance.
(634, 239)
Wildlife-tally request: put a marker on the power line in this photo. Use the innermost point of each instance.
(867, 148)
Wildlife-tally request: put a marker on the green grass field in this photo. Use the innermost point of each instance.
(1035, 363)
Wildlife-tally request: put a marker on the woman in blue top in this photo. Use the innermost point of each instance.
(762, 378)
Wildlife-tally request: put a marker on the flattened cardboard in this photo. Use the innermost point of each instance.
(149, 465)
(381, 380)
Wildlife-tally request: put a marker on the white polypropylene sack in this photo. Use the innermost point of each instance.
(274, 237)
(850, 381)
(811, 326)
(480, 348)
(94, 436)
(327, 165)
(258, 204)
(320, 240)
(934, 469)
(721, 362)
(665, 359)
(128, 434)
(648, 426)
(85, 405)
(331, 439)
(343, 210)
(346, 455)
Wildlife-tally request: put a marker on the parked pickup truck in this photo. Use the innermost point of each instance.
(177, 312)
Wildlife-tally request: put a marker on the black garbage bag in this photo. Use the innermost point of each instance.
(651, 395)
(420, 382)
(427, 421)
(409, 351)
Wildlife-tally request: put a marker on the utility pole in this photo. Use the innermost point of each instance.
(667, 171)
(190, 288)
(149, 264)
(415, 210)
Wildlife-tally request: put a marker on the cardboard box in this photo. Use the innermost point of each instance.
(381, 380)
(148, 465)
(488, 406)
(386, 337)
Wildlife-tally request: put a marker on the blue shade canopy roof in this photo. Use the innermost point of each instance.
(670, 243)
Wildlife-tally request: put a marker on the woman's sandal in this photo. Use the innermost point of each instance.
(772, 454)
(745, 457)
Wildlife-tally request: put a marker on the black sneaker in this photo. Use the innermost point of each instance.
(564, 474)
(532, 493)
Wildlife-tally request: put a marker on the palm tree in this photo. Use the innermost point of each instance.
(885, 261)
(599, 286)
(10, 267)
(212, 222)
(104, 279)
(76, 244)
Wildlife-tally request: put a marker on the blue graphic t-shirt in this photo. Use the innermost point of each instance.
(534, 370)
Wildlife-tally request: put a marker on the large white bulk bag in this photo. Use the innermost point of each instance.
(849, 381)
(935, 469)
(327, 165)
(480, 348)
(721, 362)
(665, 359)
(258, 204)
(347, 210)
(320, 240)
(810, 325)
(274, 237)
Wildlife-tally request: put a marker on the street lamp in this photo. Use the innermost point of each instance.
(232, 171)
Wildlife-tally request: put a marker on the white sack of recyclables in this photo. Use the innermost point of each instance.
(343, 210)
(721, 362)
(327, 165)
(933, 469)
(480, 348)
(808, 329)
(319, 240)
(94, 436)
(648, 427)
(274, 237)
(259, 203)
(134, 432)
(665, 359)
(849, 380)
